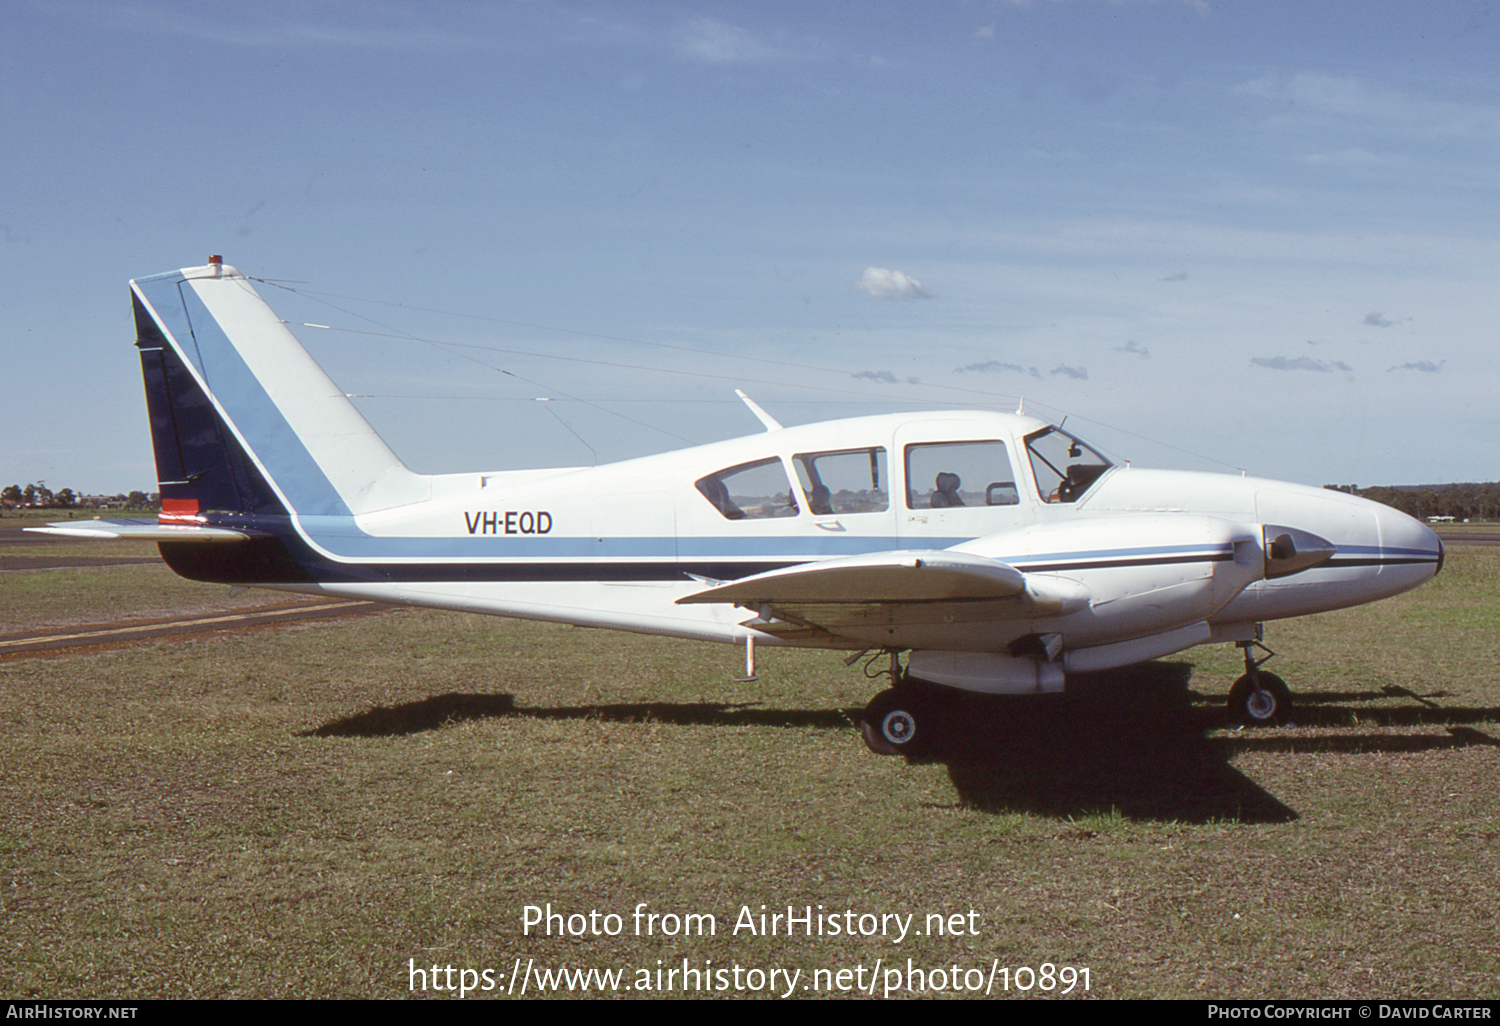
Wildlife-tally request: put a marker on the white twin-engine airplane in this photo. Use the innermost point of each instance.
(999, 552)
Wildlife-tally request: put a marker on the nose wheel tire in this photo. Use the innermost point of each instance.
(898, 722)
(1260, 700)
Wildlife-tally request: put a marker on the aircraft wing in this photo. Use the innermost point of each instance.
(846, 598)
(131, 529)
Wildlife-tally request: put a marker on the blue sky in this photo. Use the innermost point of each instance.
(1214, 235)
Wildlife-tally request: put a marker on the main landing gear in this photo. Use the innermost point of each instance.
(1259, 699)
(905, 719)
(911, 718)
(901, 720)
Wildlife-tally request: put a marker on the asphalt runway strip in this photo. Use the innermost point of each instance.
(70, 640)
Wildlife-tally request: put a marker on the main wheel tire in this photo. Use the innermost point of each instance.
(1268, 705)
(897, 722)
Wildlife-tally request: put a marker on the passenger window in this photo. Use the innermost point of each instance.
(941, 475)
(844, 481)
(750, 491)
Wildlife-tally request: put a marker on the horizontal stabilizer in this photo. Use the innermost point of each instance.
(932, 575)
(141, 530)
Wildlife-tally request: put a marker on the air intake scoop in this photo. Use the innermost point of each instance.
(1290, 551)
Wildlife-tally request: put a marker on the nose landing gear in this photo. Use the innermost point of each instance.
(1259, 699)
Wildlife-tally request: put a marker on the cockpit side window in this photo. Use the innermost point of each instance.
(844, 481)
(750, 491)
(1063, 466)
(941, 475)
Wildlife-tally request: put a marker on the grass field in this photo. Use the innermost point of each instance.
(313, 812)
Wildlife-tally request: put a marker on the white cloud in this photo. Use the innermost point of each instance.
(1317, 91)
(1305, 363)
(883, 283)
(1351, 157)
(1354, 98)
(718, 42)
(995, 365)
(272, 29)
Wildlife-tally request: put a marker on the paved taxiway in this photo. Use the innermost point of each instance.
(275, 611)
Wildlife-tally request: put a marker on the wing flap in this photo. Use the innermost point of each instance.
(884, 577)
(894, 598)
(842, 617)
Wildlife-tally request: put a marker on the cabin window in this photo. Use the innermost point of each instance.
(941, 475)
(750, 491)
(1063, 466)
(844, 481)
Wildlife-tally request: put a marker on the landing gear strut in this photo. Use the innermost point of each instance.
(899, 721)
(1259, 699)
(904, 719)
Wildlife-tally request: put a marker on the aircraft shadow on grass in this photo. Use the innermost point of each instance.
(1132, 742)
(1129, 742)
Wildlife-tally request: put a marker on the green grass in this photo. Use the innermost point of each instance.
(298, 813)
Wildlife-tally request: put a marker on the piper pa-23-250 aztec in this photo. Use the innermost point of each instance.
(997, 551)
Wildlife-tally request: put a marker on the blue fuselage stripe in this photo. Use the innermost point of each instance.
(356, 555)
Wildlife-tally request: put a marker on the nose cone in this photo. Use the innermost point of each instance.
(1408, 547)
(1378, 551)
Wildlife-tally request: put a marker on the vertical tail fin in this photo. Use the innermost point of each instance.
(242, 419)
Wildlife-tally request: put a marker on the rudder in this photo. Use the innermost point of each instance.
(243, 420)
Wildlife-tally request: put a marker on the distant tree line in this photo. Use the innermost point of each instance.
(1459, 501)
(38, 496)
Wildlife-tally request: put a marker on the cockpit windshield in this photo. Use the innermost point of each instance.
(1063, 466)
